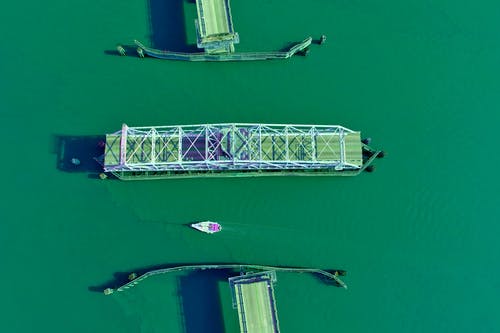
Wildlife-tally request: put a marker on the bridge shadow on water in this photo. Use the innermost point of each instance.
(199, 298)
(198, 293)
(167, 25)
(79, 153)
(167, 28)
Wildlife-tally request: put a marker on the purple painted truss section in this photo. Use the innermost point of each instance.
(193, 147)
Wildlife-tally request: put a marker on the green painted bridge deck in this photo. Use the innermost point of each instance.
(253, 296)
(214, 17)
(214, 26)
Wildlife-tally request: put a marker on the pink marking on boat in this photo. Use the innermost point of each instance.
(214, 227)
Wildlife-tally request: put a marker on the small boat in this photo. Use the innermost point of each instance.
(208, 227)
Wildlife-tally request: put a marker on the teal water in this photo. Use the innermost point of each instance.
(418, 236)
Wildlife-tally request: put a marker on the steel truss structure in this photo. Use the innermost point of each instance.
(243, 147)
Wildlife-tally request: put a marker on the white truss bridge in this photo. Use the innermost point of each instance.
(234, 147)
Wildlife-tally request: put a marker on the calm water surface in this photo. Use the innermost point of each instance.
(418, 237)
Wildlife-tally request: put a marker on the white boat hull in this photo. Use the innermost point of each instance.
(207, 227)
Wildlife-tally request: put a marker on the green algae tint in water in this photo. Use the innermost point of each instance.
(418, 236)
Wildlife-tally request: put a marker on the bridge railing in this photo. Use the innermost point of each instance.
(238, 56)
(320, 272)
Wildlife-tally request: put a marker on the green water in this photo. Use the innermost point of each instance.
(418, 236)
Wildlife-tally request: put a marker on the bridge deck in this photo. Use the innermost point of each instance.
(214, 27)
(214, 17)
(254, 296)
